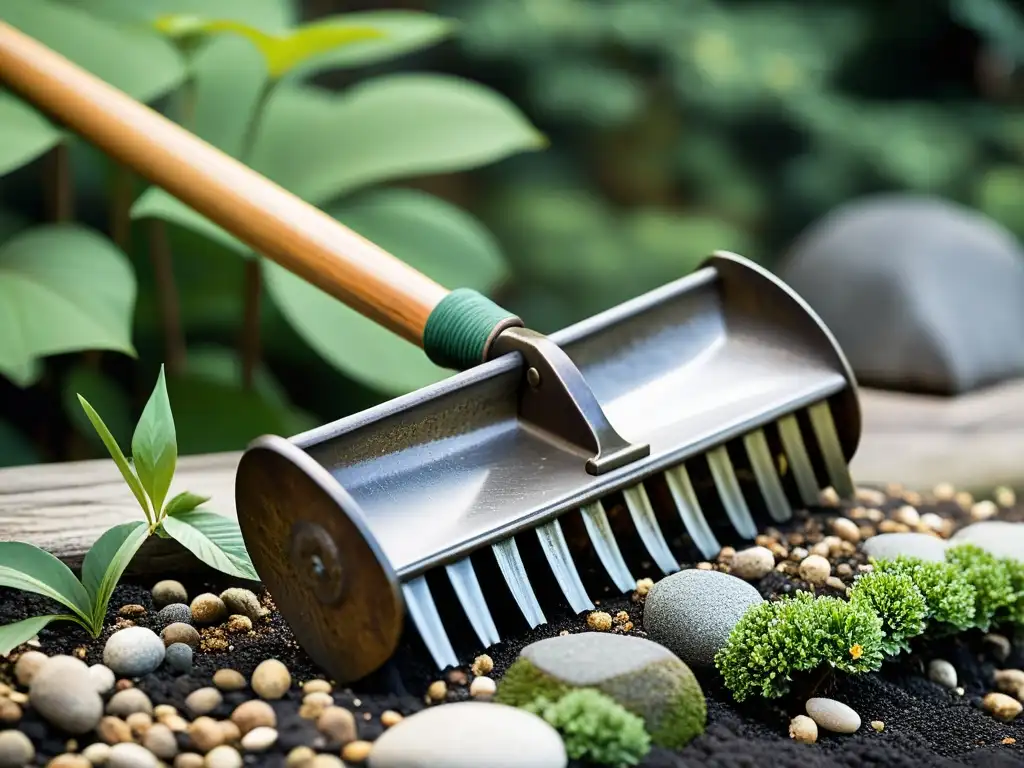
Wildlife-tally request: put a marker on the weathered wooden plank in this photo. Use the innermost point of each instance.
(975, 442)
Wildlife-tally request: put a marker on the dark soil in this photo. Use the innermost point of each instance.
(925, 724)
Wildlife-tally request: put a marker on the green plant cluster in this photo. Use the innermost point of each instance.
(898, 600)
(213, 538)
(594, 727)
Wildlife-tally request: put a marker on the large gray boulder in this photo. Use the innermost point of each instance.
(921, 293)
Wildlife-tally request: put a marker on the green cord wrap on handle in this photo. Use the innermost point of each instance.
(460, 326)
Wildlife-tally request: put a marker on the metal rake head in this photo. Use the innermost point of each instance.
(462, 508)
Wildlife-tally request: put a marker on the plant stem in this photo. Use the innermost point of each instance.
(120, 216)
(61, 189)
(250, 343)
(167, 292)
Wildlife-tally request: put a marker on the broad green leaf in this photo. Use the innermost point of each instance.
(214, 539)
(427, 233)
(13, 635)
(229, 75)
(156, 203)
(25, 134)
(282, 51)
(268, 15)
(129, 57)
(15, 448)
(185, 501)
(115, 453)
(29, 568)
(106, 561)
(321, 146)
(105, 395)
(154, 445)
(63, 288)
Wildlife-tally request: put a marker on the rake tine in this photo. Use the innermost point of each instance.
(514, 571)
(831, 451)
(767, 476)
(552, 541)
(646, 523)
(729, 490)
(467, 589)
(799, 461)
(420, 605)
(600, 531)
(681, 488)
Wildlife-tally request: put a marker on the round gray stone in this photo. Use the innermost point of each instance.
(128, 755)
(942, 672)
(590, 658)
(692, 612)
(128, 702)
(833, 715)
(175, 613)
(64, 693)
(179, 658)
(997, 537)
(16, 750)
(946, 286)
(886, 546)
(169, 591)
(470, 734)
(133, 652)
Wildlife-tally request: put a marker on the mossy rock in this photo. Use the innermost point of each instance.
(644, 677)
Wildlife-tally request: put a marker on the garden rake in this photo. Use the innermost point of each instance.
(551, 470)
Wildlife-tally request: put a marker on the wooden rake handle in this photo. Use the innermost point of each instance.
(269, 219)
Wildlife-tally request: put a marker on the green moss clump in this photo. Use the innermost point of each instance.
(594, 727)
(1013, 613)
(776, 639)
(991, 579)
(899, 604)
(948, 595)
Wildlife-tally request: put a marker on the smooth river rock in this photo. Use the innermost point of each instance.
(887, 546)
(997, 537)
(470, 734)
(133, 652)
(64, 693)
(833, 715)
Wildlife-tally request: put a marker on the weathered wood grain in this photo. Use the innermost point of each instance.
(975, 442)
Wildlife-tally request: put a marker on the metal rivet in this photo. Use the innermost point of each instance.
(533, 377)
(315, 556)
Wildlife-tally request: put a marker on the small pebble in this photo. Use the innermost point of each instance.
(1002, 706)
(845, 529)
(232, 733)
(103, 678)
(389, 718)
(69, 761)
(133, 652)
(438, 689)
(128, 755)
(244, 602)
(203, 701)
(1010, 681)
(643, 586)
(131, 611)
(834, 582)
(482, 686)
(167, 592)
(482, 665)
(237, 624)
(205, 733)
(16, 749)
(815, 570)
(223, 757)
(828, 497)
(600, 621)
(983, 510)
(188, 760)
(934, 522)
(128, 702)
(160, 740)
(356, 751)
(64, 693)
(259, 739)
(179, 658)
(944, 492)
(326, 761)
(338, 724)
(139, 723)
(299, 757)
(833, 715)
(942, 672)
(27, 665)
(878, 725)
(10, 712)
(870, 496)
(113, 730)
(229, 680)
(752, 563)
(180, 632)
(907, 515)
(207, 608)
(315, 703)
(271, 679)
(252, 714)
(803, 729)
(998, 646)
(1005, 497)
(97, 753)
(175, 613)
(316, 686)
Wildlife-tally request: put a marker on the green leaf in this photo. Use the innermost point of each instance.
(185, 501)
(106, 561)
(115, 453)
(321, 146)
(29, 568)
(268, 15)
(132, 58)
(25, 134)
(429, 234)
(282, 51)
(13, 635)
(15, 448)
(156, 203)
(214, 539)
(229, 75)
(63, 288)
(104, 395)
(154, 445)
